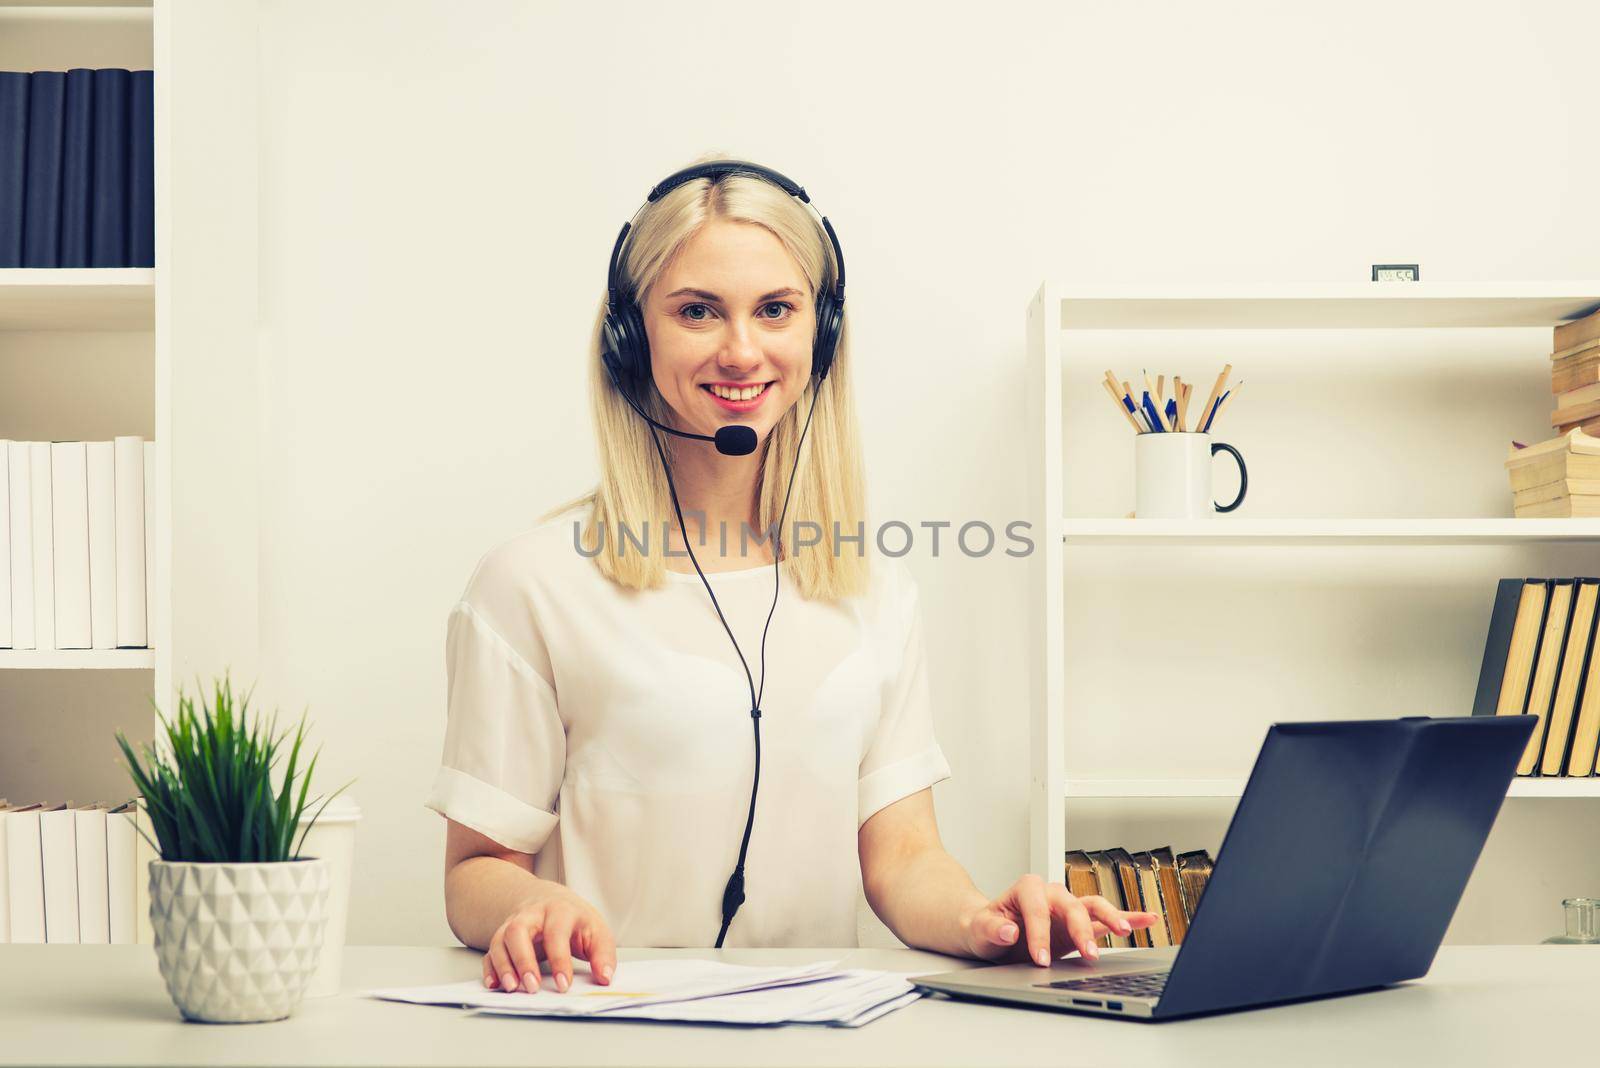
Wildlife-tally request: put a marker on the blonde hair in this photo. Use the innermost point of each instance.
(829, 489)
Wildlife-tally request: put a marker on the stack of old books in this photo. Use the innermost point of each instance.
(1155, 881)
(1561, 477)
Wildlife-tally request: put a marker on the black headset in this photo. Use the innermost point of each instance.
(625, 351)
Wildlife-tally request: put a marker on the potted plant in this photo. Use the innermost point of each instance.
(238, 919)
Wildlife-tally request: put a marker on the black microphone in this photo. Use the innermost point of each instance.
(729, 440)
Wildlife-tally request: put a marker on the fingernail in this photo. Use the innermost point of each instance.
(488, 980)
(605, 973)
(1124, 926)
(1042, 958)
(1093, 952)
(508, 982)
(561, 982)
(1009, 932)
(527, 979)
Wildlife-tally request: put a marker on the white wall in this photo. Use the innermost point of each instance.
(441, 185)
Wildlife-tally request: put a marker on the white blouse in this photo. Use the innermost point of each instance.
(608, 732)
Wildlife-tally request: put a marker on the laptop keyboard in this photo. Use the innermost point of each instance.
(1140, 985)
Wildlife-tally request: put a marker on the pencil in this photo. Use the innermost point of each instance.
(1152, 391)
(1127, 391)
(1177, 391)
(1232, 393)
(1161, 389)
(1117, 400)
(1208, 412)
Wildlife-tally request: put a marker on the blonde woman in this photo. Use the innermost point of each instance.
(611, 774)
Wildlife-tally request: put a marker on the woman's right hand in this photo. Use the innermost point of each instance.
(558, 925)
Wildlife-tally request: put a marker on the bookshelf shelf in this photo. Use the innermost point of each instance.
(77, 298)
(78, 659)
(1058, 319)
(1226, 531)
(1181, 788)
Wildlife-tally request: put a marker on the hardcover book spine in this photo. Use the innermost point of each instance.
(41, 225)
(13, 164)
(77, 174)
(108, 222)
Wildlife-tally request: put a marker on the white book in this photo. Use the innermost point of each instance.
(69, 498)
(130, 542)
(44, 565)
(94, 909)
(120, 873)
(149, 540)
(5, 548)
(58, 848)
(143, 854)
(102, 545)
(5, 880)
(19, 465)
(25, 873)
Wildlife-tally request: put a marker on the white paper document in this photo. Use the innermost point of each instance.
(696, 991)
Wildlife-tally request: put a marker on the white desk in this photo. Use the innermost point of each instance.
(106, 1005)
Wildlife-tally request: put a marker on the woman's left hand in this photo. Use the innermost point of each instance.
(1040, 921)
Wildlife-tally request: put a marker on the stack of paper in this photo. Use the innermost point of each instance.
(697, 991)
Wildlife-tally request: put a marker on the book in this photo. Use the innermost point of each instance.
(1582, 395)
(77, 168)
(141, 170)
(1150, 894)
(1128, 880)
(41, 225)
(5, 544)
(1556, 467)
(1586, 733)
(1575, 441)
(25, 873)
(1574, 659)
(58, 848)
(1555, 491)
(129, 463)
(13, 164)
(1166, 866)
(1080, 879)
(1515, 626)
(1578, 351)
(94, 911)
(121, 874)
(1577, 332)
(102, 545)
(1590, 425)
(143, 853)
(1546, 664)
(1106, 878)
(1575, 415)
(69, 497)
(44, 564)
(1571, 374)
(108, 222)
(19, 465)
(1194, 871)
(1584, 507)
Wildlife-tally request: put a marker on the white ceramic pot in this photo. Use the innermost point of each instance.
(237, 943)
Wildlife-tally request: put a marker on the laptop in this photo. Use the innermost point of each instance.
(1343, 864)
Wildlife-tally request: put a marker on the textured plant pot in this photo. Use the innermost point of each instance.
(237, 943)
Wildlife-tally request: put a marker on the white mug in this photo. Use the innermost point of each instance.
(1173, 471)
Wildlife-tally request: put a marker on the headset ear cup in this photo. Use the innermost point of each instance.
(829, 316)
(637, 355)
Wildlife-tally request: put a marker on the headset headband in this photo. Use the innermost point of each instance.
(716, 169)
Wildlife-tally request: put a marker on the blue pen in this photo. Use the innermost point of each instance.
(1138, 416)
(1172, 411)
(1213, 413)
(1151, 414)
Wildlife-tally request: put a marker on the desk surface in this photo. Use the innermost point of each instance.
(106, 1005)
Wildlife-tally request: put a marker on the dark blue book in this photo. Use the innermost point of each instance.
(13, 163)
(41, 211)
(77, 175)
(142, 170)
(108, 219)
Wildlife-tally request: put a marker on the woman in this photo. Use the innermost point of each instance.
(599, 778)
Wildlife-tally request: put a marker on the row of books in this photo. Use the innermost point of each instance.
(77, 534)
(1539, 660)
(1575, 375)
(1152, 881)
(77, 168)
(70, 872)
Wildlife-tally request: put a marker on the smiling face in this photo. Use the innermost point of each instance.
(730, 323)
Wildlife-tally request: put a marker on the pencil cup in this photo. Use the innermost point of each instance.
(1173, 471)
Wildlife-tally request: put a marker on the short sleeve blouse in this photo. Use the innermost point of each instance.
(607, 732)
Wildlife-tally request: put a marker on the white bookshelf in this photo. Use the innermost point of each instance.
(78, 298)
(1057, 309)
